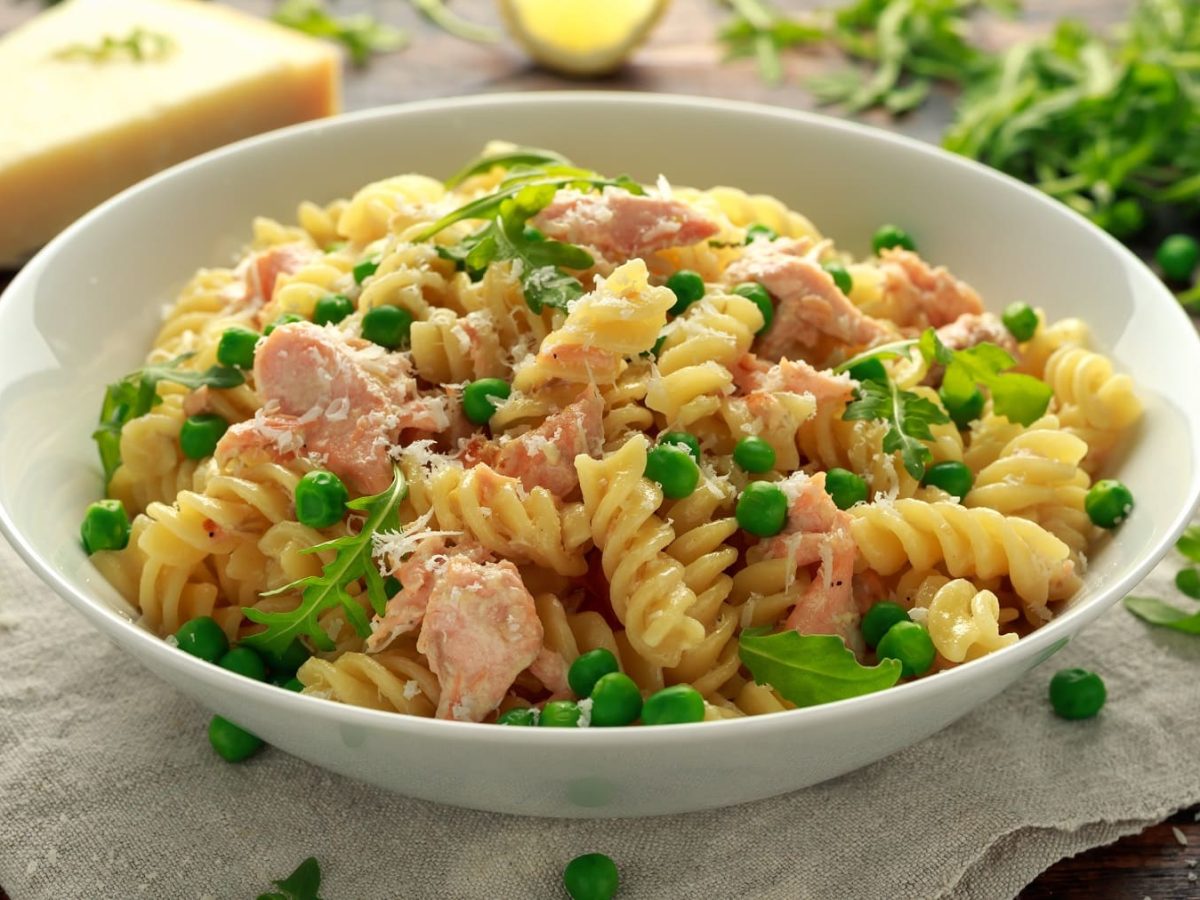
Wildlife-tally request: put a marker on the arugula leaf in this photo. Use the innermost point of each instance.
(302, 884)
(1188, 582)
(361, 35)
(808, 669)
(908, 416)
(136, 394)
(353, 560)
(444, 18)
(1189, 543)
(1154, 611)
(1021, 398)
(758, 30)
(510, 159)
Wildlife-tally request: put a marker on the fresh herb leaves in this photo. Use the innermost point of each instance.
(1020, 398)
(444, 18)
(1189, 543)
(302, 884)
(140, 45)
(352, 561)
(136, 394)
(758, 30)
(908, 417)
(509, 159)
(361, 35)
(507, 238)
(808, 669)
(1156, 612)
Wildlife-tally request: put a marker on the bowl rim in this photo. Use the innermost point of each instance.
(1044, 641)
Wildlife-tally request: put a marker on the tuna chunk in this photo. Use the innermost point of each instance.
(809, 305)
(922, 295)
(545, 456)
(797, 377)
(619, 225)
(481, 631)
(971, 329)
(818, 532)
(262, 270)
(335, 400)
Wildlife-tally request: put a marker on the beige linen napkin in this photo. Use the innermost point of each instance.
(108, 789)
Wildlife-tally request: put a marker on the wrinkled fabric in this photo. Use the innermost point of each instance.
(108, 788)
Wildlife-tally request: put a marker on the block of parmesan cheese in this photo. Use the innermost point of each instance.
(78, 123)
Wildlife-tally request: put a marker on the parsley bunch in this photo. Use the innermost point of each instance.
(137, 393)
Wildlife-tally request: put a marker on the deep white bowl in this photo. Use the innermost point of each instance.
(82, 313)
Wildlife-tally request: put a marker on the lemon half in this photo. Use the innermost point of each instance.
(580, 37)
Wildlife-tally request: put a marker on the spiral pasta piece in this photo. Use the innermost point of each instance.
(646, 586)
(1094, 403)
(893, 535)
(963, 621)
(447, 348)
(395, 680)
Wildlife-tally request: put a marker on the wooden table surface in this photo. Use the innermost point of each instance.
(682, 58)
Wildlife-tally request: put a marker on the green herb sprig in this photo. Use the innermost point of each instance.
(361, 35)
(352, 561)
(808, 669)
(140, 45)
(908, 416)
(1157, 612)
(1020, 398)
(302, 884)
(757, 29)
(137, 393)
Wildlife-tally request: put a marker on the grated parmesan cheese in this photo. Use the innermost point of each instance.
(585, 712)
(411, 689)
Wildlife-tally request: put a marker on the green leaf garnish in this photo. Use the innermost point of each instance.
(1189, 543)
(353, 560)
(1154, 611)
(302, 884)
(808, 669)
(361, 35)
(1020, 398)
(140, 45)
(509, 159)
(136, 394)
(444, 18)
(759, 30)
(908, 416)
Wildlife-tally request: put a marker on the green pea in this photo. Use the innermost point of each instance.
(1178, 256)
(588, 668)
(522, 716)
(909, 643)
(287, 662)
(845, 488)
(616, 701)
(285, 319)
(688, 441)
(233, 744)
(320, 499)
(762, 509)
(293, 684)
(478, 398)
(951, 476)
(754, 455)
(331, 309)
(245, 662)
(592, 876)
(199, 434)
(672, 466)
(364, 270)
(890, 236)
(688, 287)
(760, 297)
(1124, 219)
(560, 714)
(1108, 503)
(758, 230)
(387, 326)
(1020, 320)
(963, 412)
(674, 705)
(236, 347)
(1188, 582)
(841, 276)
(879, 620)
(1077, 693)
(869, 370)
(202, 637)
(105, 526)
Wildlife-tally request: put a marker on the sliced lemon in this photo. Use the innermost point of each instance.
(580, 37)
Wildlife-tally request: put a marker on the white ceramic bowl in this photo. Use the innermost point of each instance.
(83, 312)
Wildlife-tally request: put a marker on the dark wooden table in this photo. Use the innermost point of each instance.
(683, 58)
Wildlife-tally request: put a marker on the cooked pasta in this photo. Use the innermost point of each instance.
(448, 447)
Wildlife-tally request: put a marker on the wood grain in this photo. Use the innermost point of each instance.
(682, 57)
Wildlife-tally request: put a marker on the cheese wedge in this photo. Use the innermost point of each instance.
(74, 129)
